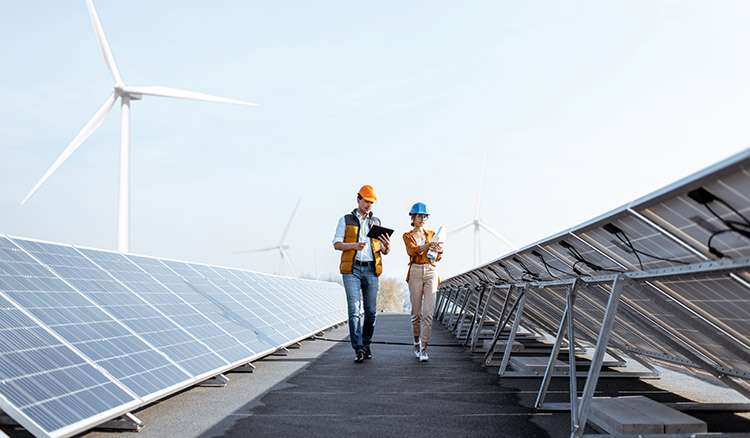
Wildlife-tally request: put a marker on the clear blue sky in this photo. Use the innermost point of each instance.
(583, 106)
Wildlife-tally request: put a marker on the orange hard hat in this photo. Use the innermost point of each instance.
(368, 193)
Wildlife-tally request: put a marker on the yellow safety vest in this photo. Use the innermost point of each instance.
(350, 236)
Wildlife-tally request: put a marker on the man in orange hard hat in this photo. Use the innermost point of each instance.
(361, 265)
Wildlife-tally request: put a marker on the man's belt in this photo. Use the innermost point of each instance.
(370, 263)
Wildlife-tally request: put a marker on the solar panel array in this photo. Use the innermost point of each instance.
(87, 335)
(664, 278)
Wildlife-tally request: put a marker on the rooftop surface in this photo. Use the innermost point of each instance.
(317, 390)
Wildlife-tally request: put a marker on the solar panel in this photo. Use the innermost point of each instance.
(177, 299)
(155, 327)
(635, 245)
(267, 326)
(326, 300)
(678, 263)
(702, 336)
(220, 308)
(292, 305)
(267, 310)
(318, 300)
(696, 217)
(70, 308)
(290, 310)
(87, 335)
(321, 299)
(45, 384)
(298, 299)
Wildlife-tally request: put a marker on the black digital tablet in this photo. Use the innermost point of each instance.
(377, 231)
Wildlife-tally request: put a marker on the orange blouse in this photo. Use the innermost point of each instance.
(412, 249)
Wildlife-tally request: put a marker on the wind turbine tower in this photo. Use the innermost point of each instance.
(478, 223)
(126, 94)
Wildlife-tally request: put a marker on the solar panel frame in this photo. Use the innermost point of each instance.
(457, 303)
(651, 332)
(477, 322)
(471, 313)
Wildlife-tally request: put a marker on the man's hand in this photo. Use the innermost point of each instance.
(341, 246)
(385, 242)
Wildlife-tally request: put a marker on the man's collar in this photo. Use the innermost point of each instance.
(356, 214)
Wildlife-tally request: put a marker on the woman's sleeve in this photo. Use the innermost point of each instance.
(412, 249)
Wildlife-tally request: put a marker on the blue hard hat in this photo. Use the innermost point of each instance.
(419, 208)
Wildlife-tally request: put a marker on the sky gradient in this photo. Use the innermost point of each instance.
(582, 107)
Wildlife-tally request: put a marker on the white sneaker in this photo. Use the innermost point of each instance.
(423, 357)
(416, 349)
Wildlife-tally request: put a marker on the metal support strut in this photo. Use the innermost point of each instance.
(581, 409)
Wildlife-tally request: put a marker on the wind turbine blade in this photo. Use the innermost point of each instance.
(481, 178)
(257, 250)
(285, 257)
(103, 44)
(87, 130)
(283, 235)
(158, 90)
(460, 227)
(497, 234)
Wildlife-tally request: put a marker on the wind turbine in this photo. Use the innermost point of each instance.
(282, 247)
(125, 93)
(478, 222)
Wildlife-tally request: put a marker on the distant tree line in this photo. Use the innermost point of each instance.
(393, 295)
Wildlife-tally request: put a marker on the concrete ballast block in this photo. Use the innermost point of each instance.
(500, 345)
(537, 365)
(641, 415)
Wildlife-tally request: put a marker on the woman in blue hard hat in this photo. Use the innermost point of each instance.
(422, 277)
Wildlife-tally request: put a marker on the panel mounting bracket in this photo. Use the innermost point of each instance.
(125, 422)
(244, 368)
(218, 381)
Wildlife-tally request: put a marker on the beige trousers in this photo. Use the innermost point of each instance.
(423, 284)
